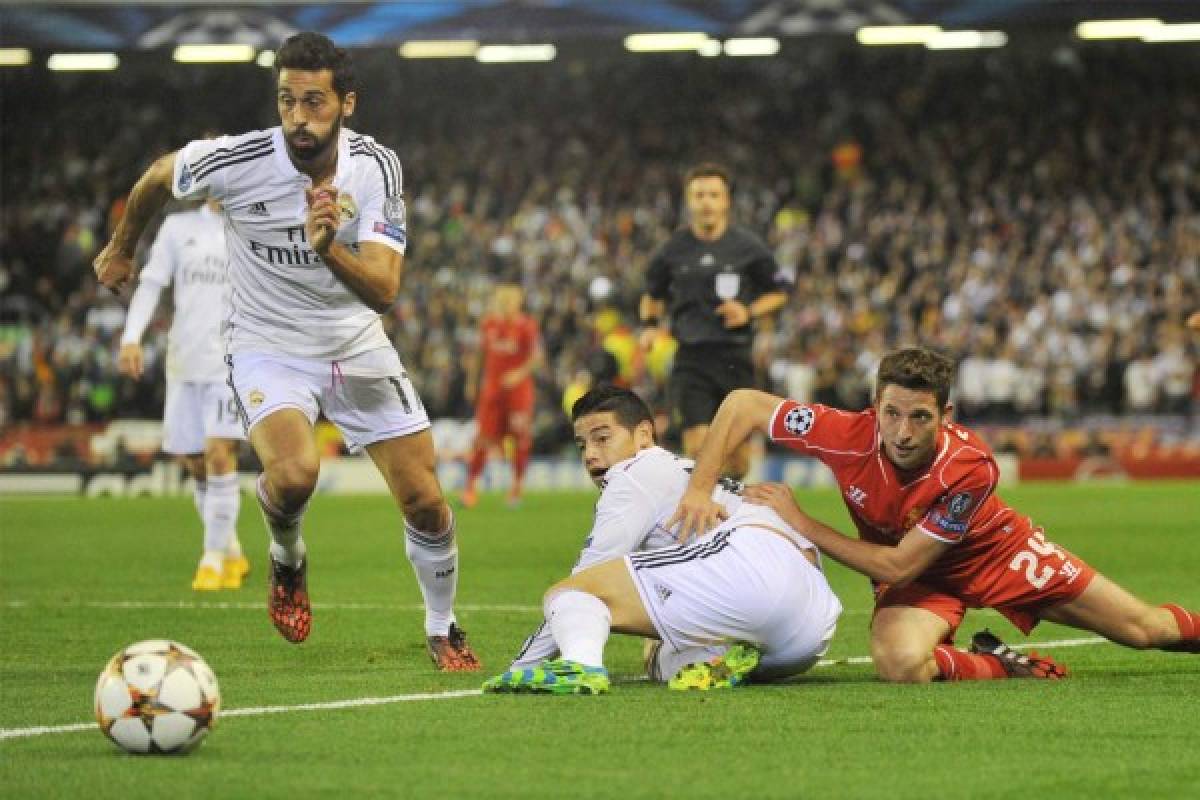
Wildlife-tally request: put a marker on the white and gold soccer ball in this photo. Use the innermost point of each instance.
(157, 696)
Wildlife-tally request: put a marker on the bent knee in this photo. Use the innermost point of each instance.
(430, 514)
(903, 664)
(293, 482)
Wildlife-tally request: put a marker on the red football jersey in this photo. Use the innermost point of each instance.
(506, 344)
(997, 556)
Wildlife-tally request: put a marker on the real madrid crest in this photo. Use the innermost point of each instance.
(347, 207)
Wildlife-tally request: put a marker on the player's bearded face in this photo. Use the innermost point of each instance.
(909, 422)
(307, 144)
(310, 112)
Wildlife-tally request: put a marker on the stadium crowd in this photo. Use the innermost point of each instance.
(1035, 214)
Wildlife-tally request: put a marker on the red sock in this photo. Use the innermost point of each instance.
(475, 465)
(959, 665)
(522, 446)
(1189, 629)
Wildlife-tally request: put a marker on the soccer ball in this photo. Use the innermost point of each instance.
(157, 696)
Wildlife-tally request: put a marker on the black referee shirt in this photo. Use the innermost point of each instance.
(686, 273)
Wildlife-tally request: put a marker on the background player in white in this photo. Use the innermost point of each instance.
(754, 581)
(200, 418)
(315, 226)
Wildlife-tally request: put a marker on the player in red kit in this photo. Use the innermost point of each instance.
(933, 536)
(510, 350)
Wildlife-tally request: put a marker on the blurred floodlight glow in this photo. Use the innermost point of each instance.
(266, 59)
(1116, 28)
(514, 53)
(664, 42)
(443, 48)
(213, 53)
(72, 62)
(1180, 32)
(710, 49)
(967, 40)
(896, 34)
(15, 57)
(757, 46)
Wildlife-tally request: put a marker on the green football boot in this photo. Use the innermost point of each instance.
(551, 677)
(723, 672)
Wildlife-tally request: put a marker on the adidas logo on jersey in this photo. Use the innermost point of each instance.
(258, 209)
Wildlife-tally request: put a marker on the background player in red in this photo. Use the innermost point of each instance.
(510, 351)
(934, 537)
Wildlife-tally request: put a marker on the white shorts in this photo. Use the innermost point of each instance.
(739, 584)
(196, 411)
(368, 397)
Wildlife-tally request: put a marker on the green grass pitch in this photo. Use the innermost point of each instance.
(80, 579)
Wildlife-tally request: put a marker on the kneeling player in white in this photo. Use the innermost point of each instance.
(200, 419)
(747, 600)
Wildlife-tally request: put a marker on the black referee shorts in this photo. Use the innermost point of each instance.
(701, 377)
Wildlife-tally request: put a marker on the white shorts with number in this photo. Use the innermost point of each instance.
(196, 411)
(368, 397)
(739, 584)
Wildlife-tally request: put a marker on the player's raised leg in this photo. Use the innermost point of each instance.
(408, 464)
(284, 443)
(1116, 614)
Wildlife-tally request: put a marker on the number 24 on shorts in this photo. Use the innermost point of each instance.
(1037, 573)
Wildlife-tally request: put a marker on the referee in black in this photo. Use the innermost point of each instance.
(712, 280)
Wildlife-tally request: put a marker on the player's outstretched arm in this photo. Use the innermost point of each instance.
(114, 264)
(373, 273)
(742, 412)
(895, 566)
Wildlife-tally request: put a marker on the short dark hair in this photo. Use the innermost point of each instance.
(629, 409)
(919, 369)
(315, 51)
(708, 169)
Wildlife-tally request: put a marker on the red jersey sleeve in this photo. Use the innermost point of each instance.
(824, 433)
(968, 483)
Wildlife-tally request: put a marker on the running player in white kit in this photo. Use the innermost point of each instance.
(748, 600)
(200, 418)
(315, 224)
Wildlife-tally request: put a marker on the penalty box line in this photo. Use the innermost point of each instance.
(358, 702)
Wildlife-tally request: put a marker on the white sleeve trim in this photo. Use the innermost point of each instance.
(933, 535)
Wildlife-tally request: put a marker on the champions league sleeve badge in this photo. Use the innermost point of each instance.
(393, 210)
(799, 420)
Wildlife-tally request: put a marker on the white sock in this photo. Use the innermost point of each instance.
(214, 559)
(199, 492)
(221, 511)
(580, 623)
(287, 543)
(434, 559)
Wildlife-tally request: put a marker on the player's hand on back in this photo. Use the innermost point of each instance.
(130, 361)
(696, 514)
(321, 223)
(776, 496)
(113, 268)
(734, 313)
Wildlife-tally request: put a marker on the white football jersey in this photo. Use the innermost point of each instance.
(640, 494)
(284, 299)
(189, 252)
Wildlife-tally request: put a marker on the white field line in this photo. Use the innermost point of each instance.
(254, 711)
(243, 605)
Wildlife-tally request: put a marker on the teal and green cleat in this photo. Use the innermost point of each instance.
(723, 672)
(551, 677)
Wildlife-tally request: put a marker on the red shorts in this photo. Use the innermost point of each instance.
(1025, 589)
(497, 406)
